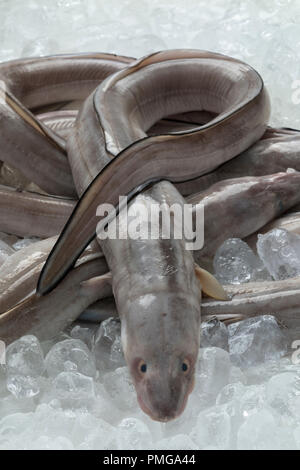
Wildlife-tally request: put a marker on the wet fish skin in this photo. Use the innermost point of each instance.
(251, 112)
(43, 81)
(26, 143)
(276, 151)
(158, 299)
(237, 207)
(104, 134)
(278, 298)
(19, 273)
(45, 317)
(220, 140)
(28, 214)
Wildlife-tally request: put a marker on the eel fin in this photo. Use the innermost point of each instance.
(210, 285)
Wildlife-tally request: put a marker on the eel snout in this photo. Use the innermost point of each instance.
(163, 388)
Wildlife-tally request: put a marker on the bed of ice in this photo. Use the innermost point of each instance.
(75, 392)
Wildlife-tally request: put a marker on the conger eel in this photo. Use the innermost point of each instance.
(111, 131)
(110, 139)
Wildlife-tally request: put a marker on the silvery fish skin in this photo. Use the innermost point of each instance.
(19, 273)
(26, 143)
(10, 176)
(5, 251)
(230, 199)
(158, 299)
(278, 298)
(99, 311)
(63, 78)
(46, 316)
(276, 151)
(31, 147)
(225, 205)
(240, 206)
(240, 123)
(28, 214)
(62, 121)
(160, 343)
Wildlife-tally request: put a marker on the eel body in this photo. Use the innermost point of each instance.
(27, 214)
(115, 149)
(276, 151)
(158, 300)
(237, 207)
(278, 298)
(30, 85)
(83, 286)
(157, 277)
(131, 101)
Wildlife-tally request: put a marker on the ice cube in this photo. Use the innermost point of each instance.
(252, 400)
(23, 386)
(256, 340)
(213, 428)
(235, 263)
(230, 392)
(240, 401)
(236, 375)
(105, 407)
(261, 432)
(100, 437)
(70, 351)
(212, 374)
(119, 386)
(133, 435)
(280, 252)
(10, 405)
(214, 333)
(74, 388)
(107, 345)
(25, 357)
(85, 334)
(15, 424)
(116, 353)
(53, 420)
(283, 392)
(24, 242)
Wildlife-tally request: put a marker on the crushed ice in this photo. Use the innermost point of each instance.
(59, 400)
(75, 392)
(278, 258)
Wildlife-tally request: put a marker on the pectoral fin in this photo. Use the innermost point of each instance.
(210, 285)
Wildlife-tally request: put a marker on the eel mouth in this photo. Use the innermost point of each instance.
(167, 417)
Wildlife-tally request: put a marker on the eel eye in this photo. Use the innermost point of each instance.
(185, 366)
(143, 367)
